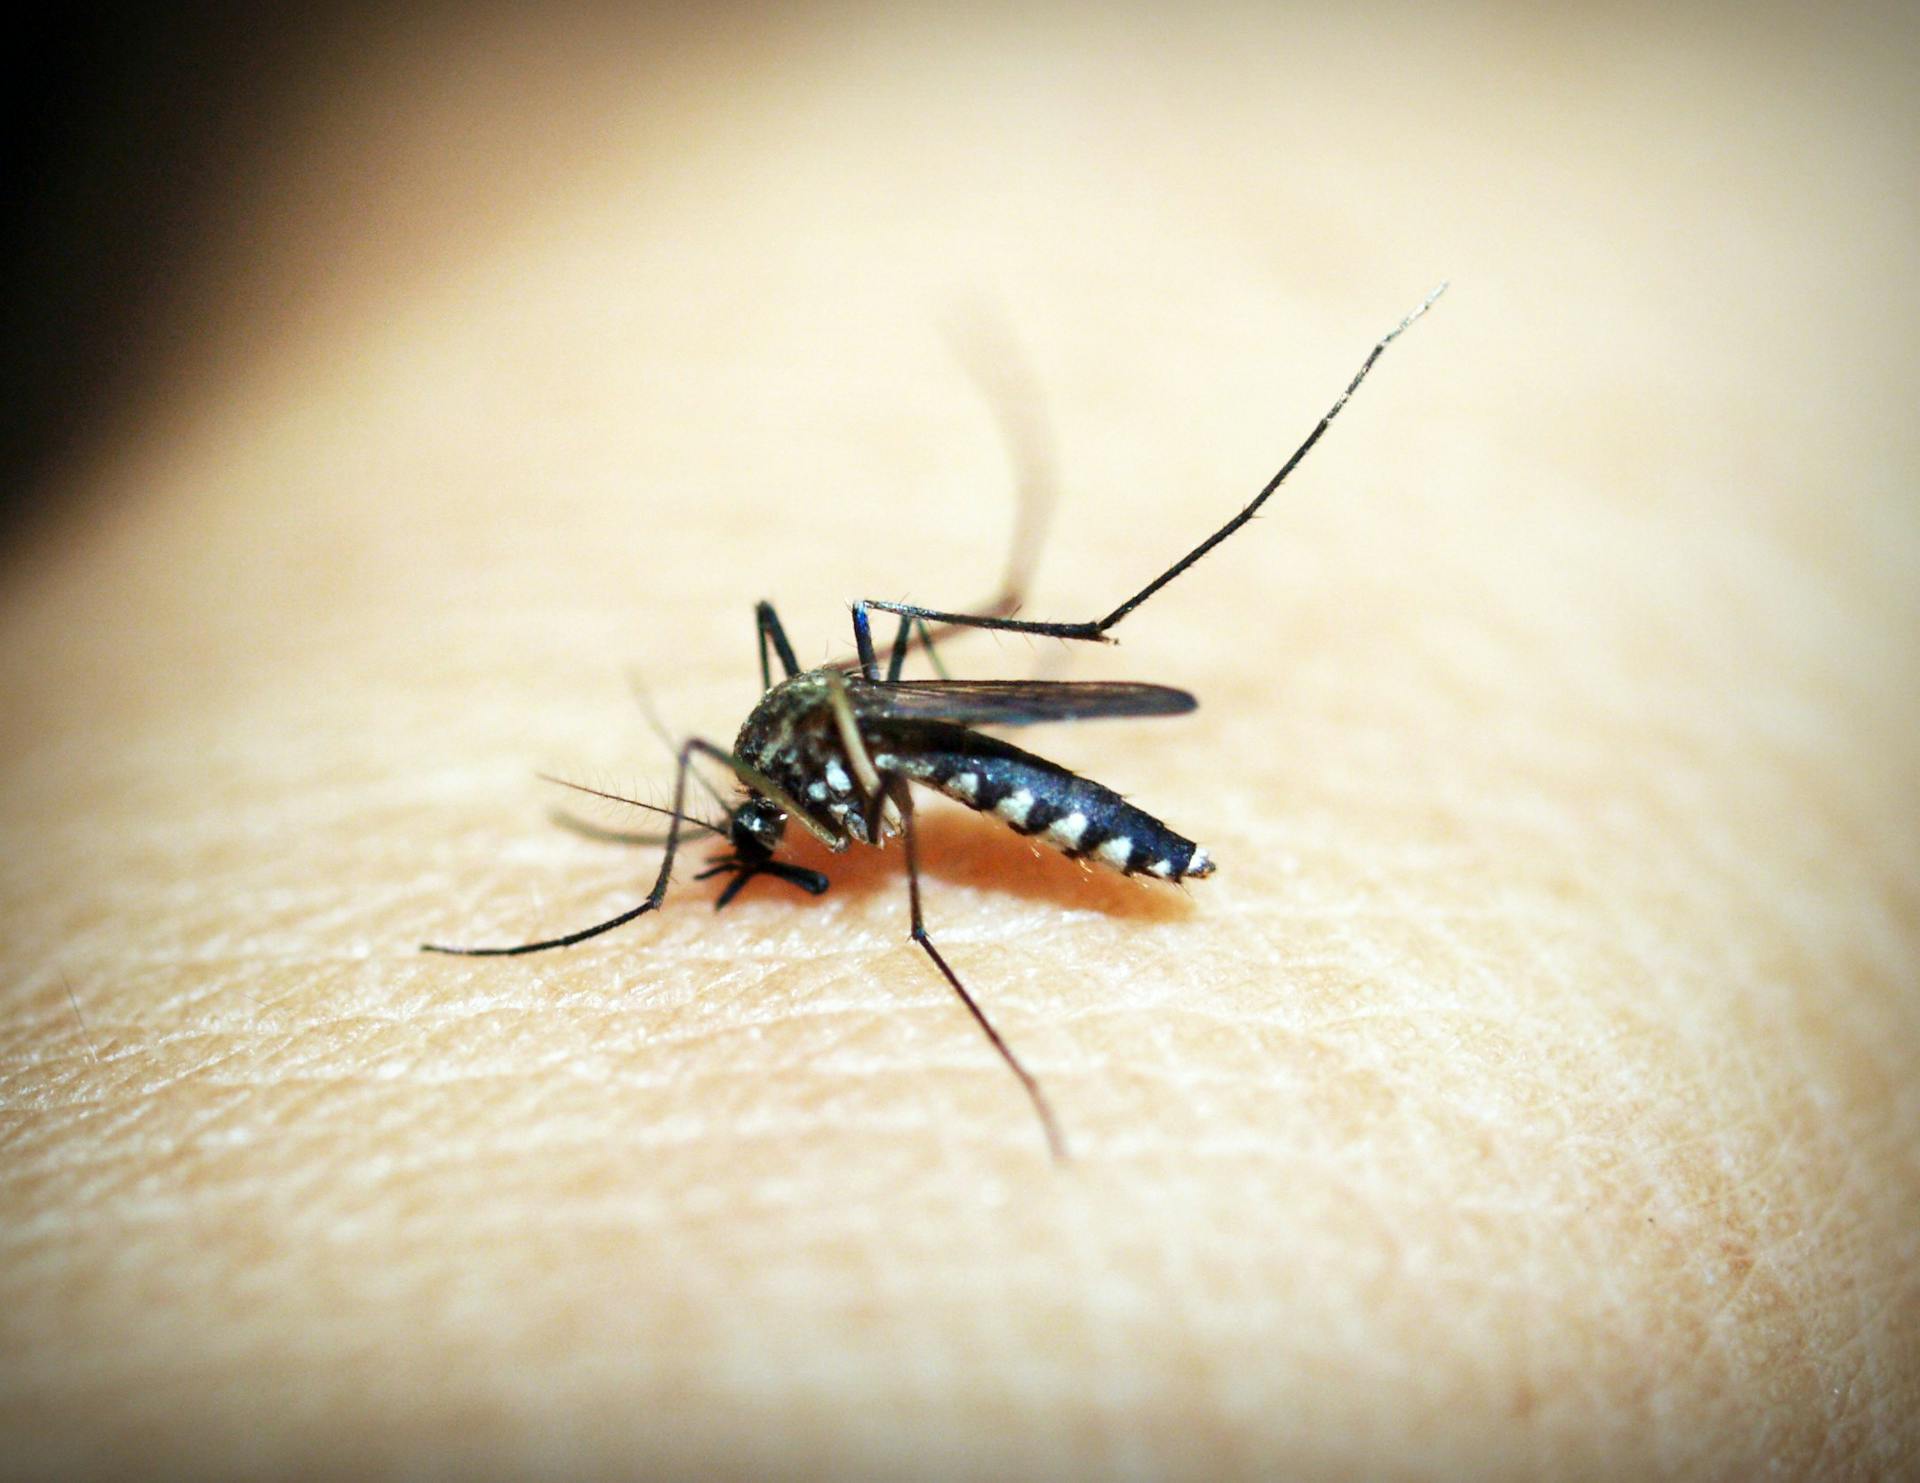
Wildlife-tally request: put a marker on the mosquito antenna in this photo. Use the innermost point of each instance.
(600, 834)
(652, 808)
(644, 699)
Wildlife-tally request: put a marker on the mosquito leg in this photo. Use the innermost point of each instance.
(933, 654)
(897, 660)
(848, 725)
(1092, 631)
(869, 659)
(902, 644)
(654, 897)
(767, 623)
(1056, 1144)
(869, 663)
(1095, 630)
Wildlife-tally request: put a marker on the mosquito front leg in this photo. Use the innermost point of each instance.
(767, 624)
(659, 891)
(1056, 1145)
(1094, 630)
(855, 745)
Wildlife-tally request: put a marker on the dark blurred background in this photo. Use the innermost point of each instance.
(126, 124)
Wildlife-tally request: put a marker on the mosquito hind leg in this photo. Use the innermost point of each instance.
(1094, 630)
(1056, 1144)
(869, 658)
(767, 625)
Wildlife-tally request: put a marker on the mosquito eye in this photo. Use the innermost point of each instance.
(758, 826)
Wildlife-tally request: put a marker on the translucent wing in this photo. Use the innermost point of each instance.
(1013, 702)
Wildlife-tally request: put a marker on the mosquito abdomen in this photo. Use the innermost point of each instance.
(1037, 798)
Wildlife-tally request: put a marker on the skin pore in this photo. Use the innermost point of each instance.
(1529, 1091)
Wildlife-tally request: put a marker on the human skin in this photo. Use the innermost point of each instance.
(1532, 1090)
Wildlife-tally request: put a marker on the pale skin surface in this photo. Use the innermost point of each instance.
(1532, 1090)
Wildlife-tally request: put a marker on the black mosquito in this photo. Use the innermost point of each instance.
(837, 749)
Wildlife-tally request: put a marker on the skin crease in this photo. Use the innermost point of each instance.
(1532, 1090)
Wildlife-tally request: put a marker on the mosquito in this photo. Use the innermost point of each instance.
(840, 749)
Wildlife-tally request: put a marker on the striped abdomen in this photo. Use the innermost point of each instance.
(1075, 815)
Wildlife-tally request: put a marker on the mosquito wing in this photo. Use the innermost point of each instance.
(1014, 702)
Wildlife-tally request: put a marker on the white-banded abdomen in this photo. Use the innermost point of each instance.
(1077, 816)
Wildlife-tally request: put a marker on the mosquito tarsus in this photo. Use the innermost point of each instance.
(839, 749)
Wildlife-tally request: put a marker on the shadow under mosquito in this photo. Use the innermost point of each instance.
(958, 848)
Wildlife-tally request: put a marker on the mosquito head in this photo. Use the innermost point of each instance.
(754, 832)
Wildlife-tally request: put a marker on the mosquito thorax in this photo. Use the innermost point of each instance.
(791, 736)
(786, 714)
